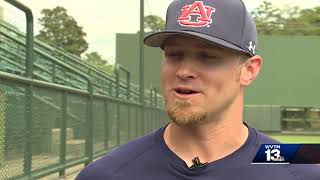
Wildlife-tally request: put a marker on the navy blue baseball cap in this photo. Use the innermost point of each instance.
(223, 22)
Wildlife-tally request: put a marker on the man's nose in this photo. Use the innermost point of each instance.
(186, 70)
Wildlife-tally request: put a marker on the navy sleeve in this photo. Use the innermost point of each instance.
(97, 170)
(108, 166)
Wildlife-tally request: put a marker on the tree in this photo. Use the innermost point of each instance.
(96, 60)
(62, 31)
(307, 22)
(268, 18)
(153, 23)
(286, 21)
(108, 68)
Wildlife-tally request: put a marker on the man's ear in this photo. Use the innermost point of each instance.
(250, 70)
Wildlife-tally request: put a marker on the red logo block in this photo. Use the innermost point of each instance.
(204, 14)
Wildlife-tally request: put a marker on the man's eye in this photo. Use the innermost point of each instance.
(174, 54)
(207, 57)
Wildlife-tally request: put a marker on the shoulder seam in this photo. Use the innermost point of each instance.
(117, 170)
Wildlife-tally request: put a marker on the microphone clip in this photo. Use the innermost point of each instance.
(197, 164)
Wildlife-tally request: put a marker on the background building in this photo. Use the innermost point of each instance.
(289, 76)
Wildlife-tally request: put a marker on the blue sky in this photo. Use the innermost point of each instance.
(102, 19)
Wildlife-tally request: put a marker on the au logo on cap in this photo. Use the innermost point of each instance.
(198, 9)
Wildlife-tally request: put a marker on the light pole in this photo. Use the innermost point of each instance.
(141, 62)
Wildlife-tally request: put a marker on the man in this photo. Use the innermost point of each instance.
(209, 58)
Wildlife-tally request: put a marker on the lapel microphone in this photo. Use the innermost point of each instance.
(197, 164)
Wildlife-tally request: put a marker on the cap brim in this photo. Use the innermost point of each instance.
(158, 38)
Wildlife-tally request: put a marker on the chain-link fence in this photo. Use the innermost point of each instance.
(53, 114)
(58, 132)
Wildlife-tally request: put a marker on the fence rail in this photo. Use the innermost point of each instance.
(61, 132)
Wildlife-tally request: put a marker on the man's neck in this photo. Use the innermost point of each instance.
(209, 142)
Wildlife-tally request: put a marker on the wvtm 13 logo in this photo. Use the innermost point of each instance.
(271, 154)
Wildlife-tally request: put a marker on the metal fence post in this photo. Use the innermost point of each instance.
(128, 83)
(116, 70)
(155, 97)
(28, 132)
(89, 140)
(28, 90)
(129, 107)
(106, 126)
(63, 134)
(151, 96)
(141, 63)
(136, 124)
(53, 72)
(110, 88)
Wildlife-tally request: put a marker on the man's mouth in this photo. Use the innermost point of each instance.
(185, 92)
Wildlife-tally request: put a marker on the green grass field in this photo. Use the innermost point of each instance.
(296, 139)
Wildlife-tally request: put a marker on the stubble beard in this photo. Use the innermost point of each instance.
(183, 113)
